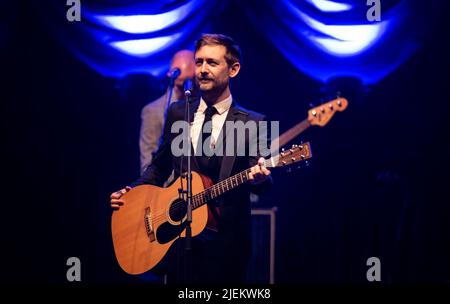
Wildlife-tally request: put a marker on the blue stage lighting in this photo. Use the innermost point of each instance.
(330, 6)
(142, 24)
(144, 47)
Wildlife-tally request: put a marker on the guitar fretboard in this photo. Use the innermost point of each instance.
(221, 187)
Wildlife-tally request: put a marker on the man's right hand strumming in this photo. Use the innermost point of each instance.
(116, 202)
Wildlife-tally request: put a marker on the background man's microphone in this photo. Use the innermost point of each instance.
(188, 87)
(174, 73)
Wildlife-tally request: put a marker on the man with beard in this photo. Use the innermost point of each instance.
(221, 252)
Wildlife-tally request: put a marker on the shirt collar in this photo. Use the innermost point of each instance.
(221, 107)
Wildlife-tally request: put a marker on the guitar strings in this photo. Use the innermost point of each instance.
(179, 205)
(208, 194)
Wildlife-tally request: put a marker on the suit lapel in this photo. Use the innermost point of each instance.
(234, 114)
(193, 106)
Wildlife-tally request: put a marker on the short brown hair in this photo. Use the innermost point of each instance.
(233, 53)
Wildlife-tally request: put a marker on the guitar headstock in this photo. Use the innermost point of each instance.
(295, 154)
(321, 115)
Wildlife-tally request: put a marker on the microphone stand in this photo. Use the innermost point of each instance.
(173, 75)
(169, 96)
(188, 192)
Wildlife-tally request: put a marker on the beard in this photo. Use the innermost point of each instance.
(211, 86)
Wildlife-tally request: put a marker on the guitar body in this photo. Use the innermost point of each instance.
(151, 219)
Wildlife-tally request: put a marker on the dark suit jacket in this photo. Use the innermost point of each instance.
(235, 206)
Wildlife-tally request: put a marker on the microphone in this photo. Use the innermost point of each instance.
(188, 86)
(174, 73)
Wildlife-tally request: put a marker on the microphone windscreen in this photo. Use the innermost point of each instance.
(188, 86)
(174, 73)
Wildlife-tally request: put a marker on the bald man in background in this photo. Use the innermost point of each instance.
(153, 114)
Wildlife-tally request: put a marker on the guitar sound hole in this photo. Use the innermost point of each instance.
(177, 210)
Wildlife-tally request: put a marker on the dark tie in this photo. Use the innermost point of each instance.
(207, 164)
(209, 112)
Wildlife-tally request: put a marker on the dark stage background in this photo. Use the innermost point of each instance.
(377, 185)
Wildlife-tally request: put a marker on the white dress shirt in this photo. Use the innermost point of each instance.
(217, 120)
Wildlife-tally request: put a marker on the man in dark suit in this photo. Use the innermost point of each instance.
(221, 252)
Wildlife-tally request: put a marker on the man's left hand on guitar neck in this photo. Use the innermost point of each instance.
(258, 173)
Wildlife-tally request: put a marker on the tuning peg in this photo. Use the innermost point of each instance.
(313, 112)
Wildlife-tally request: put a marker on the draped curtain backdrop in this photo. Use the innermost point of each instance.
(380, 170)
(117, 39)
(323, 39)
(327, 39)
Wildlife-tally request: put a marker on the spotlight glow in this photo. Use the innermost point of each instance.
(330, 6)
(345, 40)
(140, 24)
(144, 47)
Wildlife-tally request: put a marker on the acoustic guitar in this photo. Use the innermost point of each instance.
(152, 218)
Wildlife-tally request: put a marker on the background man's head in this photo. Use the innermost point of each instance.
(184, 60)
(217, 59)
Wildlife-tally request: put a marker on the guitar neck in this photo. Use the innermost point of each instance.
(224, 186)
(289, 135)
(293, 155)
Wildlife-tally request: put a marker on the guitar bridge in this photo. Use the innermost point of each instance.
(149, 225)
